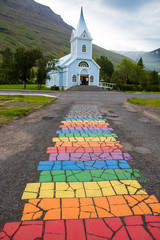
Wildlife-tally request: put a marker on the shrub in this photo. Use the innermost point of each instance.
(153, 88)
(54, 88)
(130, 87)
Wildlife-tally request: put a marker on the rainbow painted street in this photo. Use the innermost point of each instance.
(87, 189)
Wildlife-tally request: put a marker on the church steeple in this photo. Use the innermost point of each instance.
(81, 30)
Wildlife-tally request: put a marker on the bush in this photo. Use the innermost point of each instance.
(130, 87)
(126, 87)
(54, 88)
(153, 88)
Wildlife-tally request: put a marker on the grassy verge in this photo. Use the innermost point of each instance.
(13, 106)
(21, 87)
(149, 102)
(138, 92)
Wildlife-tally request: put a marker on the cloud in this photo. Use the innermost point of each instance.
(115, 24)
(127, 5)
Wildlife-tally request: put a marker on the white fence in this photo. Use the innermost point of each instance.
(109, 86)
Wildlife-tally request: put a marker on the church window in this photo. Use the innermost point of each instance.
(74, 78)
(83, 64)
(54, 79)
(84, 49)
(91, 78)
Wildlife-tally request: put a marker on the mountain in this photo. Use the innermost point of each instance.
(151, 59)
(29, 24)
(115, 58)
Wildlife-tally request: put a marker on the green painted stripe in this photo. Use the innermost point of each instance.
(90, 175)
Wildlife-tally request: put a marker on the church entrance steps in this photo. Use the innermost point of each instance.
(85, 88)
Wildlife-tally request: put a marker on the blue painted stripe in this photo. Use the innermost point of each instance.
(86, 165)
(88, 135)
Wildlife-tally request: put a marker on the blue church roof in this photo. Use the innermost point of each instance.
(62, 61)
(81, 28)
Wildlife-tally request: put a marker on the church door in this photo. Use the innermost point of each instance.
(84, 80)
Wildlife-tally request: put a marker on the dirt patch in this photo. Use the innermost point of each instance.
(18, 142)
(151, 112)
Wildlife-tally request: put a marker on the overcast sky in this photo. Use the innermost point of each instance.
(123, 25)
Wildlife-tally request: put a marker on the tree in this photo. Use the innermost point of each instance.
(6, 68)
(116, 77)
(141, 77)
(140, 63)
(44, 66)
(107, 68)
(153, 78)
(32, 75)
(24, 60)
(127, 71)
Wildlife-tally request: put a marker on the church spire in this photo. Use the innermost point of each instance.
(81, 30)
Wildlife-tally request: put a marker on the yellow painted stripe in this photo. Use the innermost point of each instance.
(82, 189)
(84, 139)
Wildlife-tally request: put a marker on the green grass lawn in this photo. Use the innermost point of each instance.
(149, 102)
(21, 87)
(138, 92)
(13, 106)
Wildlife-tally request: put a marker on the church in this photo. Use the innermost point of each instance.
(78, 67)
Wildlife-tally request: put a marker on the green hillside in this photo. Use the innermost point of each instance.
(115, 58)
(25, 23)
(29, 24)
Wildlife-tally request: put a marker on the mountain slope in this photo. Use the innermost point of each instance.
(32, 25)
(115, 58)
(151, 59)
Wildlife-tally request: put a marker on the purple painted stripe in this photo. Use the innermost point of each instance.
(89, 156)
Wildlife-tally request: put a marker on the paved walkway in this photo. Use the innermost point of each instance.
(88, 189)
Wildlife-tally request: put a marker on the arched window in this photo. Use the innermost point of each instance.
(54, 79)
(83, 64)
(74, 78)
(84, 49)
(91, 78)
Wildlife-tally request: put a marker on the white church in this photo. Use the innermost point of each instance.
(78, 67)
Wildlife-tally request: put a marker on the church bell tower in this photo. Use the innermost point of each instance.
(81, 41)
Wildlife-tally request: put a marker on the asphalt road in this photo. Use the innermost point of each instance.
(24, 142)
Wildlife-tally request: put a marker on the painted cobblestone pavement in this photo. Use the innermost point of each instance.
(89, 175)
(82, 165)
(95, 156)
(85, 144)
(83, 208)
(86, 149)
(82, 189)
(87, 190)
(127, 228)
